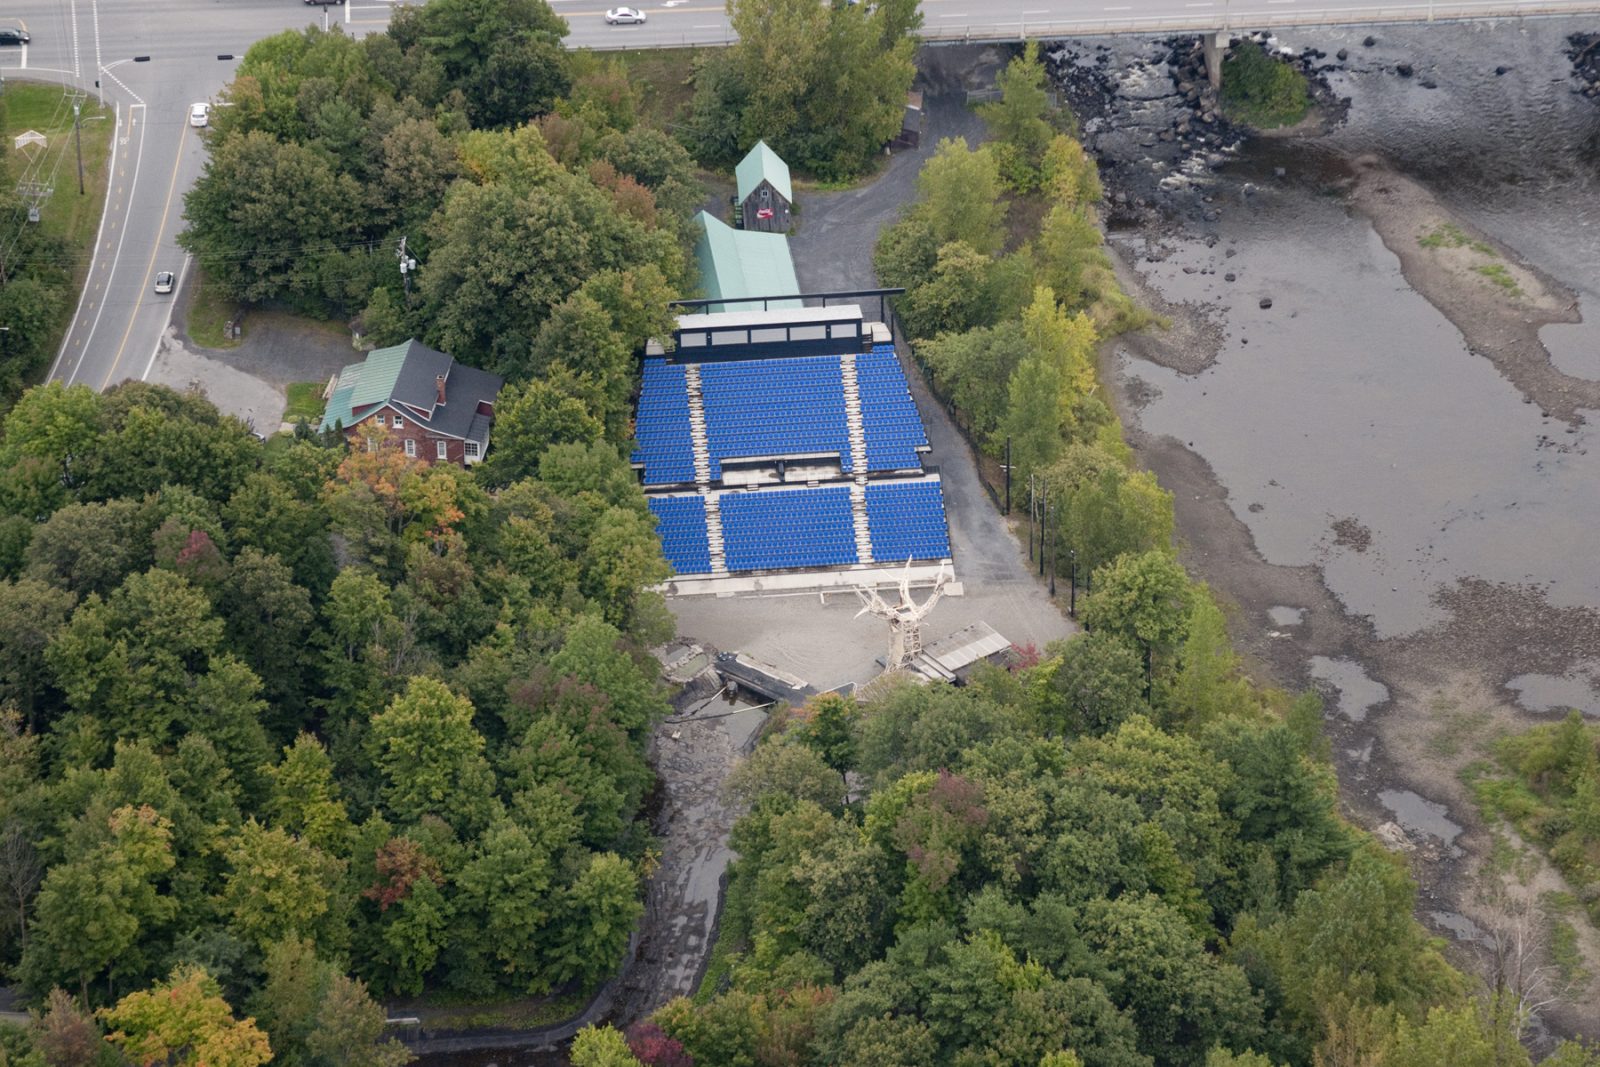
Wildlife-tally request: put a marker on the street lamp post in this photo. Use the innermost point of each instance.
(1032, 510)
(1053, 539)
(1072, 576)
(1044, 527)
(1008, 475)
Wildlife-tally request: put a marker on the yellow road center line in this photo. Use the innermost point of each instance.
(155, 250)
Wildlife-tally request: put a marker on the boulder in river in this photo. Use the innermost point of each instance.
(1369, 42)
(1403, 69)
(1266, 302)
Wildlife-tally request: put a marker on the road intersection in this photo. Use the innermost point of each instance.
(151, 60)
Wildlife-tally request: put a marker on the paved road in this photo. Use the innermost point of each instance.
(151, 59)
(682, 22)
(157, 154)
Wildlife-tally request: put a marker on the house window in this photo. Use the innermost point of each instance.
(411, 447)
(372, 445)
(443, 447)
(471, 449)
(399, 423)
(380, 419)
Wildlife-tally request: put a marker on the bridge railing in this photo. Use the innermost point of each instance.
(1248, 18)
(1240, 17)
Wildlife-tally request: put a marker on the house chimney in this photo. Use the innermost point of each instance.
(439, 381)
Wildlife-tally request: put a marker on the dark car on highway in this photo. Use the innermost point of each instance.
(10, 36)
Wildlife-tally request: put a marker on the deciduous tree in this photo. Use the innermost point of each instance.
(185, 1022)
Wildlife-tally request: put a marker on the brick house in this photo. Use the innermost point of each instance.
(435, 409)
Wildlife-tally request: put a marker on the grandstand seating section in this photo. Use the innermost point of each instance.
(906, 520)
(774, 407)
(775, 529)
(681, 525)
(665, 442)
(888, 414)
(788, 407)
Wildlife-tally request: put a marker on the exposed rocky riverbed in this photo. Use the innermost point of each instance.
(1375, 405)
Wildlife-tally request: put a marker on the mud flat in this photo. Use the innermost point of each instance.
(1452, 265)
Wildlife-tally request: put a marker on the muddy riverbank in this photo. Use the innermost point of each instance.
(1373, 411)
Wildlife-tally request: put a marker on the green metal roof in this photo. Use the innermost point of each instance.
(758, 163)
(360, 384)
(339, 406)
(743, 263)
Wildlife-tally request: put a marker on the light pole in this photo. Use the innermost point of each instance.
(1032, 509)
(1053, 539)
(1008, 474)
(1072, 576)
(1044, 526)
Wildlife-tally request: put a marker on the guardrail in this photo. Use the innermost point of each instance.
(687, 40)
(1244, 17)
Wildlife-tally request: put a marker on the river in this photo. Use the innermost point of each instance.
(1387, 515)
(1353, 398)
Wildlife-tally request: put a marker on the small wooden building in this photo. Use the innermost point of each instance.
(765, 194)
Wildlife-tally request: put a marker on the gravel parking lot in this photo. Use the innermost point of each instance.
(249, 381)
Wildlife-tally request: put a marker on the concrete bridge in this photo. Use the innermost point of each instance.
(703, 22)
(1214, 21)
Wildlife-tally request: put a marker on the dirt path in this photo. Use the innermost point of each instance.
(694, 754)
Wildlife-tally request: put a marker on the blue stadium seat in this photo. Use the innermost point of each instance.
(778, 529)
(888, 413)
(681, 525)
(665, 444)
(774, 407)
(906, 521)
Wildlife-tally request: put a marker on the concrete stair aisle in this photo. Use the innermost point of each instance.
(852, 417)
(697, 427)
(719, 561)
(858, 509)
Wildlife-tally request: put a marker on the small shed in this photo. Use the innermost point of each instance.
(765, 194)
(910, 123)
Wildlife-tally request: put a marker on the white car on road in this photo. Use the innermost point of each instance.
(624, 16)
(164, 281)
(200, 114)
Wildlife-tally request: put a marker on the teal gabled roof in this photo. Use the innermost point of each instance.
(762, 162)
(339, 404)
(369, 382)
(743, 263)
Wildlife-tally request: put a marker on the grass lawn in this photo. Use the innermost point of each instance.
(662, 78)
(209, 312)
(305, 402)
(66, 216)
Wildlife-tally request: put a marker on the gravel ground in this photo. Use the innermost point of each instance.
(249, 381)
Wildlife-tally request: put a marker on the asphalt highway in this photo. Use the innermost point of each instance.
(151, 59)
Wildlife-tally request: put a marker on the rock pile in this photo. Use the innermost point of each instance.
(1155, 123)
(1584, 51)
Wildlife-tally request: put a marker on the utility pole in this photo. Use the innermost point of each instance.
(77, 135)
(1008, 474)
(407, 264)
